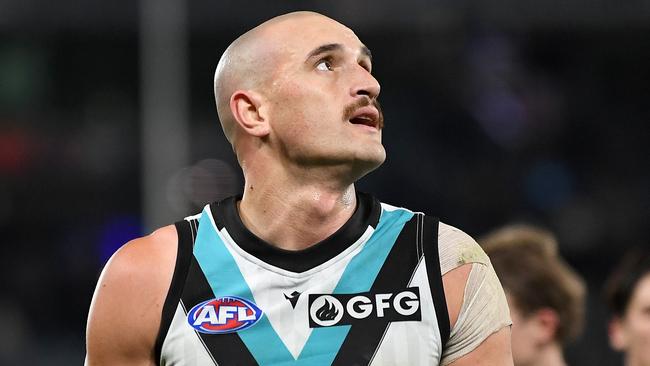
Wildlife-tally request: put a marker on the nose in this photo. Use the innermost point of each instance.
(365, 84)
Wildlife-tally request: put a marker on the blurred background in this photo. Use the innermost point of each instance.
(496, 111)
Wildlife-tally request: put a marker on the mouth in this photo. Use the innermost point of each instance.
(366, 116)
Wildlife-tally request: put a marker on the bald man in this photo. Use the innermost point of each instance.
(301, 269)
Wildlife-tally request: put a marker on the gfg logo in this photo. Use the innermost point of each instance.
(327, 310)
(224, 315)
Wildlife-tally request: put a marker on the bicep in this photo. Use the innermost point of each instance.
(125, 311)
(454, 293)
(483, 311)
(495, 350)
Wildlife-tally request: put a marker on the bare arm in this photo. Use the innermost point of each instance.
(495, 349)
(127, 305)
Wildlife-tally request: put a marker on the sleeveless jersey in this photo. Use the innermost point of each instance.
(370, 294)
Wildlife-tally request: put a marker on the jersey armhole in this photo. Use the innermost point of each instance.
(430, 248)
(186, 236)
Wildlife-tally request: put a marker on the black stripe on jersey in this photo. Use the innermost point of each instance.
(363, 338)
(226, 349)
(430, 240)
(183, 257)
(194, 229)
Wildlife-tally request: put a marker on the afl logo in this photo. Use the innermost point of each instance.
(224, 315)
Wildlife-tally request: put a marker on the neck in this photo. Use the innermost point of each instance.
(550, 355)
(294, 212)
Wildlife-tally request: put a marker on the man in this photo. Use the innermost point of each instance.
(628, 297)
(546, 297)
(301, 269)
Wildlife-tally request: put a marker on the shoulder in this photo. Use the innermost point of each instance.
(457, 248)
(458, 251)
(127, 305)
(142, 262)
(477, 305)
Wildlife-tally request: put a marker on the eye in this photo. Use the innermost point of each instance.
(366, 66)
(324, 65)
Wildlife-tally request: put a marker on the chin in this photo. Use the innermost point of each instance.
(370, 160)
(379, 155)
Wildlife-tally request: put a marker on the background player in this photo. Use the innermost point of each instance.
(546, 297)
(628, 297)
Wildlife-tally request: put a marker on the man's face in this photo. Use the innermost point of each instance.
(524, 349)
(531, 333)
(323, 108)
(631, 333)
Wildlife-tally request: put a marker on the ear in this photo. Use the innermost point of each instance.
(617, 334)
(246, 107)
(548, 322)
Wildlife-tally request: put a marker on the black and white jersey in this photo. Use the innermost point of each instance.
(370, 294)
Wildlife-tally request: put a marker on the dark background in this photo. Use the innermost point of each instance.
(495, 111)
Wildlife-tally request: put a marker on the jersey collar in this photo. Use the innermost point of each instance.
(366, 214)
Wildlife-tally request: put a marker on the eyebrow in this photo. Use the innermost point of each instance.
(336, 47)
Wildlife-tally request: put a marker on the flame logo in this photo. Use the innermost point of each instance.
(327, 311)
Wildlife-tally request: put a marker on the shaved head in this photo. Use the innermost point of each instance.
(297, 91)
(250, 62)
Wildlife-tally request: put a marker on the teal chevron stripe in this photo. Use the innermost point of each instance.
(324, 343)
(225, 278)
(265, 345)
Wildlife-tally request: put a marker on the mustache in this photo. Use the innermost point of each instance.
(364, 102)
